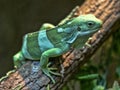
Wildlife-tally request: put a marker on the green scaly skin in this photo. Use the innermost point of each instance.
(51, 41)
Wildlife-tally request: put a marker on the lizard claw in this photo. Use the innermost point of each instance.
(87, 44)
(47, 72)
(53, 69)
(55, 73)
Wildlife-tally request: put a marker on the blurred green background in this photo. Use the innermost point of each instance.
(18, 17)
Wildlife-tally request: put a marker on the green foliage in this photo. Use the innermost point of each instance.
(90, 76)
(115, 86)
(99, 88)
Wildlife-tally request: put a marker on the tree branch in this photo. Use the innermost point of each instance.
(29, 78)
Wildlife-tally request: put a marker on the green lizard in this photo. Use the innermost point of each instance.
(52, 41)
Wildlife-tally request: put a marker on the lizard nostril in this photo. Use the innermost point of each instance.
(78, 28)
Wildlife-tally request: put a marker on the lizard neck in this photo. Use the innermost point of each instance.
(70, 38)
(62, 35)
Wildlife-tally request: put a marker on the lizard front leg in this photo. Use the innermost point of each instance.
(44, 61)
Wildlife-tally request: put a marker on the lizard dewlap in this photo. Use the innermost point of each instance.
(51, 41)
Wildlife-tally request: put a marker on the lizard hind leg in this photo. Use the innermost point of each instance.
(18, 59)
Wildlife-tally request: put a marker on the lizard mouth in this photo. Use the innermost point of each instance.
(86, 32)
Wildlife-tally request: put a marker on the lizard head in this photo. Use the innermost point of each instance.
(83, 25)
(86, 24)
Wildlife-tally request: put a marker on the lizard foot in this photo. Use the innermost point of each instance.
(48, 71)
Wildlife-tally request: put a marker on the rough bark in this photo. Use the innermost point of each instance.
(29, 78)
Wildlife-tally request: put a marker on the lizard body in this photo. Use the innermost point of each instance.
(51, 41)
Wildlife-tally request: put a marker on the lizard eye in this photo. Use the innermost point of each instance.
(78, 28)
(90, 24)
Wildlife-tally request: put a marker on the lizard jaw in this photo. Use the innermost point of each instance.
(87, 32)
